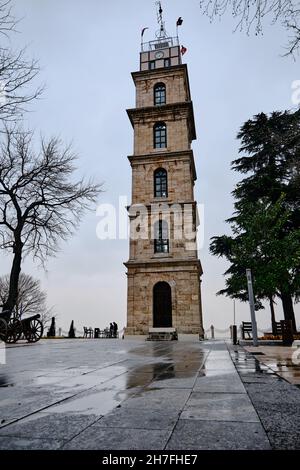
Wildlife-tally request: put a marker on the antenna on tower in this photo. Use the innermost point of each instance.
(161, 33)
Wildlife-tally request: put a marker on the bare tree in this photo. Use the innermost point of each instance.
(250, 14)
(40, 204)
(17, 72)
(31, 298)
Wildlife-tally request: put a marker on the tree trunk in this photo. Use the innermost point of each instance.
(288, 309)
(14, 277)
(273, 319)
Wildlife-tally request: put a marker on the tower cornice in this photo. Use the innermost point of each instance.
(168, 262)
(162, 156)
(158, 113)
(163, 72)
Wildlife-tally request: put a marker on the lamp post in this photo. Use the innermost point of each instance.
(252, 307)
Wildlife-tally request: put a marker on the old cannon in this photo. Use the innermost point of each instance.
(14, 328)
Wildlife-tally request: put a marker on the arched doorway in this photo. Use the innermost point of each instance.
(162, 305)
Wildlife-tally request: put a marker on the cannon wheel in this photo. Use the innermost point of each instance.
(34, 331)
(3, 329)
(14, 330)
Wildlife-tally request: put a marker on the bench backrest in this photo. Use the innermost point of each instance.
(247, 326)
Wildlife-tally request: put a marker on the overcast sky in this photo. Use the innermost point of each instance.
(87, 50)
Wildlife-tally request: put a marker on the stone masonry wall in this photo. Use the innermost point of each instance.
(175, 83)
(186, 301)
(180, 179)
(177, 135)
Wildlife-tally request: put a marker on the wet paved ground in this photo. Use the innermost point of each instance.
(276, 401)
(132, 394)
(283, 360)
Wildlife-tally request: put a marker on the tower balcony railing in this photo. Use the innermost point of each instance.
(161, 43)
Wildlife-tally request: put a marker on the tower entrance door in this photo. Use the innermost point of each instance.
(162, 305)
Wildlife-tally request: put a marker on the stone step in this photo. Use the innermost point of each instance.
(162, 334)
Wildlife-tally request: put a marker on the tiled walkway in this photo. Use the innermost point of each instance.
(283, 360)
(131, 394)
(276, 401)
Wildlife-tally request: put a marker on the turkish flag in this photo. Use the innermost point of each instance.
(183, 50)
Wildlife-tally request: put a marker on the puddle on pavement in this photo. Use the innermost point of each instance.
(173, 374)
(141, 376)
(97, 403)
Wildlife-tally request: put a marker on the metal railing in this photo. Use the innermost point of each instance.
(161, 43)
(212, 332)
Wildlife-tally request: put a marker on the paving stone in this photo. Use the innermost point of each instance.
(219, 364)
(161, 399)
(49, 426)
(171, 380)
(139, 419)
(20, 443)
(212, 435)
(219, 407)
(101, 438)
(94, 402)
(226, 383)
(19, 407)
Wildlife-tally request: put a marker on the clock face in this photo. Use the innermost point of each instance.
(159, 55)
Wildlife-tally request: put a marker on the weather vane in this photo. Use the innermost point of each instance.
(161, 33)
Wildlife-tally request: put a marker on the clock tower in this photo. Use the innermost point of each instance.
(163, 270)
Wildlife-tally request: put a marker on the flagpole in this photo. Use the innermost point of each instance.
(142, 38)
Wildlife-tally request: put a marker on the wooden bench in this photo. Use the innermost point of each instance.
(246, 328)
(283, 328)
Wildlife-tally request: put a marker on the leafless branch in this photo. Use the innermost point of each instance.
(250, 14)
(40, 203)
(17, 72)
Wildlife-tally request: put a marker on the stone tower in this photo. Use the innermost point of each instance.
(163, 270)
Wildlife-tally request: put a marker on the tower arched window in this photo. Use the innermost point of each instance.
(160, 135)
(161, 237)
(160, 183)
(159, 94)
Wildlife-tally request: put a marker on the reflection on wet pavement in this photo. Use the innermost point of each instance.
(95, 384)
(190, 382)
(279, 360)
